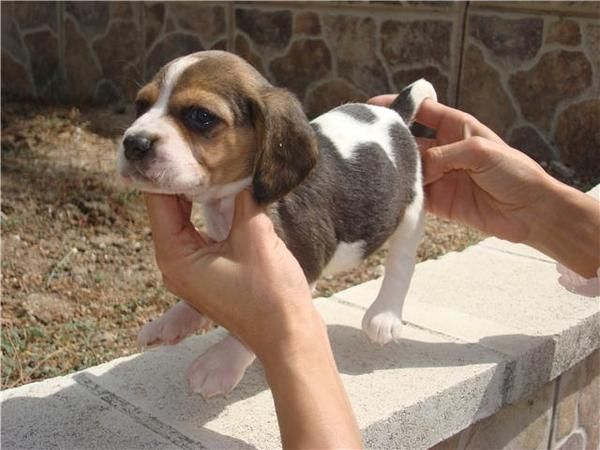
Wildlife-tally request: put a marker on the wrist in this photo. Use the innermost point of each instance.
(566, 227)
(292, 342)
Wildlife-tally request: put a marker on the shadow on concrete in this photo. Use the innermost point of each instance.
(150, 391)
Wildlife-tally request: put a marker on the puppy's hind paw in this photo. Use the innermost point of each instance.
(172, 327)
(220, 369)
(382, 327)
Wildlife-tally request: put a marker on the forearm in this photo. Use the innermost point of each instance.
(312, 406)
(567, 228)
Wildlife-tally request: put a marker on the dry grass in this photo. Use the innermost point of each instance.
(78, 272)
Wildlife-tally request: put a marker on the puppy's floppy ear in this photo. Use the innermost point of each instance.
(287, 146)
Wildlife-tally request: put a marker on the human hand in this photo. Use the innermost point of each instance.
(472, 176)
(250, 283)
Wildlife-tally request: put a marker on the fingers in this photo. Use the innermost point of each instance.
(435, 115)
(425, 143)
(382, 100)
(474, 155)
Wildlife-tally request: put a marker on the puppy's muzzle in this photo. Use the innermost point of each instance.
(136, 147)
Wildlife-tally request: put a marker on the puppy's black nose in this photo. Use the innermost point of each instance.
(136, 147)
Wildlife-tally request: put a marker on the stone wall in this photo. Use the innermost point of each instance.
(531, 71)
(563, 415)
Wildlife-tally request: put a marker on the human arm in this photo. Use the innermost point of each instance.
(252, 285)
(472, 176)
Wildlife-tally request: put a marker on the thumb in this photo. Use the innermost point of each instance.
(473, 154)
(250, 220)
(245, 208)
(167, 215)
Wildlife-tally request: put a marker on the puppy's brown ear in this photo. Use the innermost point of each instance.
(287, 146)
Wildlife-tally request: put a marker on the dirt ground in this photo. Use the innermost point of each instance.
(78, 271)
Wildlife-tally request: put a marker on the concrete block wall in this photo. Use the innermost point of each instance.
(531, 71)
(564, 414)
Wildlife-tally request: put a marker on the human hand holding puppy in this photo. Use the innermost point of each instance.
(253, 286)
(473, 176)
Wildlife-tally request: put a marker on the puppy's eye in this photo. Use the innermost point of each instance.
(199, 119)
(141, 106)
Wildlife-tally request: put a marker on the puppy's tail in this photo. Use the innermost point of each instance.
(410, 98)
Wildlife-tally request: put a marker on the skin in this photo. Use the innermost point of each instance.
(275, 316)
(474, 177)
(471, 176)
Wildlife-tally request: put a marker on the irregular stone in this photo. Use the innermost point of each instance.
(15, 80)
(589, 413)
(529, 141)
(482, 94)
(154, 20)
(511, 41)
(557, 76)
(243, 49)
(353, 41)
(219, 45)
(123, 10)
(577, 136)
(80, 67)
(45, 65)
(591, 38)
(564, 32)
(269, 30)
(11, 41)
(403, 78)
(116, 48)
(331, 94)
(566, 406)
(132, 80)
(306, 61)
(416, 42)
(208, 22)
(92, 17)
(524, 425)
(575, 442)
(307, 23)
(36, 14)
(107, 92)
(170, 47)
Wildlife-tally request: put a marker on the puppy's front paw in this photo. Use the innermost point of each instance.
(172, 327)
(220, 369)
(382, 326)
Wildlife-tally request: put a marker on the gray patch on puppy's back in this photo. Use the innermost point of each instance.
(359, 112)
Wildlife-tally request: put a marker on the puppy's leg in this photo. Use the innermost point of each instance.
(383, 320)
(173, 326)
(220, 368)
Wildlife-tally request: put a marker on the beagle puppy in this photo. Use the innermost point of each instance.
(209, 125)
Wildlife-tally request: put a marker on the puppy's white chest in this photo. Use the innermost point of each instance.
(218, 216)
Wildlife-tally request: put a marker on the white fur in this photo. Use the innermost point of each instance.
(173, 326)
(345, 132)
(347, 256)
(174, 169)
(419, 91)
(220, 368)
(383, 320)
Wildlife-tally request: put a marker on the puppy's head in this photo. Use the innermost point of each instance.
(208, 125)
